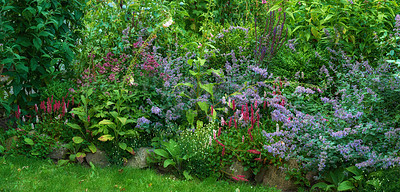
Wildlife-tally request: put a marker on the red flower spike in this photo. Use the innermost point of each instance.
(42, 105)
(219, 131)
(252, 114)
(233, 105)
(241, 176)
(264, 104)
(255, 104)
(254, 151)
(63, 109)
(212, 110)
(235, 178)
(230, 123)
(258, 120)
(234, 120)
(223, 151)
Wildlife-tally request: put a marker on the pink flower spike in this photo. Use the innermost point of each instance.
(235, 178)
(212, 110)
(255, 104)
(254, 151)
(243, 139)
(264, 1)
(215, 137)
(264, 104)
(233, 105)
(230, 123)
(234, 120)
(219, 131)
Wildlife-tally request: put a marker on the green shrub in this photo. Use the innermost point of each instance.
(383, 180)
(38, 39)
(350, 25)
(299, 64)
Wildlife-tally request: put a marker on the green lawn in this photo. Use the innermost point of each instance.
(20, 173)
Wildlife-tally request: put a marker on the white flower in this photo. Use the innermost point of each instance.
(111, 4)
(168, 23)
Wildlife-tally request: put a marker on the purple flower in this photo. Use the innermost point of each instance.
(142, 121)
(155, 110)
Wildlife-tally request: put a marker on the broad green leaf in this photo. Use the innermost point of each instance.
(184, 84)
(92, 148)
(77, 140)
(274, 8)
(62, 162)
(37, 43)
(80, 155)
(90, 91)
(106, 122)
(354, 170)
(122, 120)
(199, 124)
(209, 88)
(168, 162)
(203, 106)
(190, 115)
(161, 152)
(187, 175)
(190, 62)
(21, 68)
(315, 32)
(320, 185)
(202, 61)
(83, 100)
(106, 138)
(193, 73)
(28, 141)
(218, 72)
(122, 146)
(130, 150)
(114, 114)
(110, 103)
(345, 186)
(74, 126)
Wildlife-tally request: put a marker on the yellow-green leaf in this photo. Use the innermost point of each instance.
(77, 140)
(92, 148)
(106, 138)
(122, 146)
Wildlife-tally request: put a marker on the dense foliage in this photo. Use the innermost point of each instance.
(210, 84)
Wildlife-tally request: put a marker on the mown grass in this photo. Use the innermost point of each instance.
(19, 173)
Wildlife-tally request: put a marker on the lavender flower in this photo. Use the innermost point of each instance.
(141, 121)
(156, 110)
